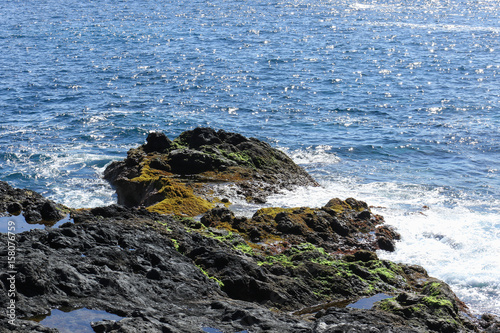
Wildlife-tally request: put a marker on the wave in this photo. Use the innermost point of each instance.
(67, 175)
(320, 154)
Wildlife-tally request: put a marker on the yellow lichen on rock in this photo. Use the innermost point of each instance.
(179, 200)
(191, 206)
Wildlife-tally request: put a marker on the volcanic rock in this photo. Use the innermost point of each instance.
(34, 206)
(166, 274)
(183, 176)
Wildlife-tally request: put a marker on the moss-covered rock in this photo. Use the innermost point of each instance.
(345, 231)
(180, 176)
(430, 306)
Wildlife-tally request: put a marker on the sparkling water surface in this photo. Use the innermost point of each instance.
(393, 102)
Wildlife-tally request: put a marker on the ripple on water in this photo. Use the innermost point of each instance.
(17, 224)
(69, 320)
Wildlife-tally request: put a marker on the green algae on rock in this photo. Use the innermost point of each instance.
(431, 302)
(344, 231)
(179, 176)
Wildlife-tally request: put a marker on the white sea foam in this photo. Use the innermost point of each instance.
(312, 155)
(456, 244)
(88, 193)
(72, 177)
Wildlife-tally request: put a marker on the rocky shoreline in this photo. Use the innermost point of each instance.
(172, 257)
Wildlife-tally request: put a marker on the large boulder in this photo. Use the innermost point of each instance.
(183, 175)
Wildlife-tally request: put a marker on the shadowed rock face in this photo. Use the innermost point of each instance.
(179, 176)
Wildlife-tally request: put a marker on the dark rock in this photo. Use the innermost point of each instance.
(339, 226)
(154, 274)
(217, 215)
(355, 320)
(14, 207)
(287, 225)
(175, 296)
(160, 164)
(357, 204)
(104, 326)
(199, 137)
(363, 255)
(387, 231)
(364, 215)
(49, 212)
(34, 206)
(194, 165)
(157, 142)
(116, 211)
(385, 243)
(490, 323)
(31, 215)
(189, 161)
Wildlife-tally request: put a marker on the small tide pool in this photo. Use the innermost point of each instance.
(367, 303)
(215, 330)
(362, 303)
(17, 224)
(74, 321)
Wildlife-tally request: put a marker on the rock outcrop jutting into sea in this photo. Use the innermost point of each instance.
(181, 176)
(150, 262)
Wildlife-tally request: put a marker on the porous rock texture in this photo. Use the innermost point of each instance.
(34, 206)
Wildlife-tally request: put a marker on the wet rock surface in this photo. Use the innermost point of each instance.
(181, 176)
(174, 274)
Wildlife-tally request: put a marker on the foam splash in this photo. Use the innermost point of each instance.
(69, 175)
(456, 244)
(84, 193)
(312, 155)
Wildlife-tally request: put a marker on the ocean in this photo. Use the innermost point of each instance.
(396, 103)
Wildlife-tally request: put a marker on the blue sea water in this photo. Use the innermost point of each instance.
(393, 102)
